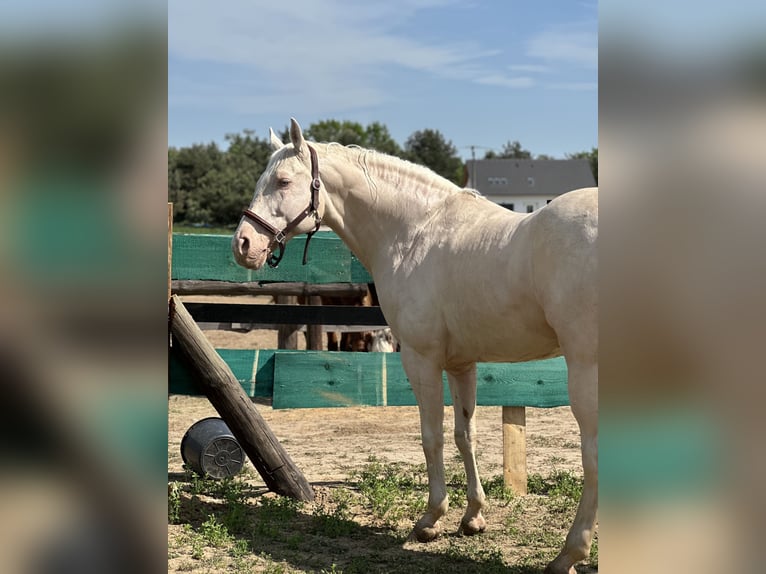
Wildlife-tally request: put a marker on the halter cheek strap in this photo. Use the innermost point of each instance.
(280, 235)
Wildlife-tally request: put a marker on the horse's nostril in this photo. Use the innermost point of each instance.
(244, 245)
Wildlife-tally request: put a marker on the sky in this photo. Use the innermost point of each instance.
(482, 73)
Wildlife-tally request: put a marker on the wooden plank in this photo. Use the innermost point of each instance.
(286, 314)
(243, 327)
(515, 449)
(253, 369)
(225, 393)
(197, 287)
(308, 379)
(304, 379)
(532, 384)
(209, 257)
(170, 249)
(325, 379)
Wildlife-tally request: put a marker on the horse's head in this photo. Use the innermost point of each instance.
(286, 203)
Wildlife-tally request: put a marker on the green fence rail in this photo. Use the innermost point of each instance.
(307, 379)
(209, 257)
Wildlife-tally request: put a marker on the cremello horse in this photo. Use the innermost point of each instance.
(460, 280)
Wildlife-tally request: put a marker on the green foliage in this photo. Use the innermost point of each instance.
(430, 148)
(207, 185)
(215, 533)
(174, 503)
(335, 520)
(591, 156)
(375, 136)
(511, 150)
(392, 492)
(560, 483)
(495, 489)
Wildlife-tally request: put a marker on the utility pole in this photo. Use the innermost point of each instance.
(474, 182)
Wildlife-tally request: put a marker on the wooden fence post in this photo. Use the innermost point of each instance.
(314, 339)
(170, 248)
(228, 397)
(287, 335)
(515, 449)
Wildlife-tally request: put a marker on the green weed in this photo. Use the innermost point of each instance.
(560, 483)
(392, 492)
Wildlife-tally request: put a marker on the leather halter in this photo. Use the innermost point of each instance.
(280, 235)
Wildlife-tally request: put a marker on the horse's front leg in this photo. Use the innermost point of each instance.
(426, 379)
(463, 389)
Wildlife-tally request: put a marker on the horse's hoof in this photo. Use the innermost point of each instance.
(425, 533)
(475, 525)
(552, 569)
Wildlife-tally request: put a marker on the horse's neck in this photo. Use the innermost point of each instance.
(378, 201)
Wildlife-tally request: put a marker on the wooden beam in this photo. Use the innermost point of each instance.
(170, 249)
(227, 396)
(198, 287)
(282, 314)
(515, 449)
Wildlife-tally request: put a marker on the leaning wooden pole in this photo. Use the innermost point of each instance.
(236, 408)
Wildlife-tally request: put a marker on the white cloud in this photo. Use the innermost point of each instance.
(573, 44)
(333, 49)
(574, 86)
(506, 81)
(529, 68)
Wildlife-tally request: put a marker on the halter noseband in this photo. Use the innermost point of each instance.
(280, 235)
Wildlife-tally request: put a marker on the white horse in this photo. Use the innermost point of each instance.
(460, 280)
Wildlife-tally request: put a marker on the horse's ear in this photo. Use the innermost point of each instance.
(296, 136)
(276, 143)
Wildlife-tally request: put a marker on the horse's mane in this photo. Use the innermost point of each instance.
(378, 165)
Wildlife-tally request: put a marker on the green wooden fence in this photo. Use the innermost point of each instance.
(305, 379)
(209, 257)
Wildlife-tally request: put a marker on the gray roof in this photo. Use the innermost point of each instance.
(548, 177)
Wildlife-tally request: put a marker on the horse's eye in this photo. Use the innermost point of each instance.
(283, 182)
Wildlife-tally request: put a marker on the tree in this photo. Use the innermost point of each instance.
(377, 137)
(511, 150)
(345, 132)
(187, 167)
(591, 156)
(429, 148)
(207, 185)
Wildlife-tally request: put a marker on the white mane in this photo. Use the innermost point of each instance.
(378, 166)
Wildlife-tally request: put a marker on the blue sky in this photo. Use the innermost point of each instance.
(482, 73)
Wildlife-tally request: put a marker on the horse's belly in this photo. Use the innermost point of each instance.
(502, 337)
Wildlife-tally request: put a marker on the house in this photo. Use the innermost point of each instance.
(524, 185)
